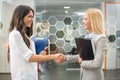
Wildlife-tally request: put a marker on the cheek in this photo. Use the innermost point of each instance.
(25, 21)
(88, 26)
(88, 23)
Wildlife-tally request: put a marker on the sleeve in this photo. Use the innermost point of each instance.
(33, 46)
(72, 58)
(101, 46)
(20, 46)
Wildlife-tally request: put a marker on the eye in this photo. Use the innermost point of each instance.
(30, 16)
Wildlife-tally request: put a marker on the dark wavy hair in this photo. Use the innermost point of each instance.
(17, 21)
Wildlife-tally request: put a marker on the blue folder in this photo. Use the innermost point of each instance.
(40, 44)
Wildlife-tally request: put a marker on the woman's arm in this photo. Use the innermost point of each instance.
(101, 46)
(72, 58)
(28, 54)
(41, 58)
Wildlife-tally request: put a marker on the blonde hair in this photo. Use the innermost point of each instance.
(97, 21)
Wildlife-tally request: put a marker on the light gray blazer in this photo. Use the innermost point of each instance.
(92, 69)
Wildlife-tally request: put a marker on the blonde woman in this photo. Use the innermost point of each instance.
(92, 69)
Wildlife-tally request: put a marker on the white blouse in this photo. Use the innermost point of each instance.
(21, 68)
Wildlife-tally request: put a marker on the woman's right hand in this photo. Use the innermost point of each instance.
(59, 58)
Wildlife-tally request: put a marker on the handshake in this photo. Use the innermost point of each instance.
(59, 57)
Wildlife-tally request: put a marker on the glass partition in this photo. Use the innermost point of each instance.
(64, 22)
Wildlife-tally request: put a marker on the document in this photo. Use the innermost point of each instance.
(85, 48)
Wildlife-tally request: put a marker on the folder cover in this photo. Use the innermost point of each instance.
(85, 48)
(40, 44)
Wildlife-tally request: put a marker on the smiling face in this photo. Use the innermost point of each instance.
(86, 22)
(28, 19)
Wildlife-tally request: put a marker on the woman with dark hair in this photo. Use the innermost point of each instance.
(22, 50)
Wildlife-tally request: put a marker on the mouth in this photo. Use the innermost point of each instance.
(30, 23)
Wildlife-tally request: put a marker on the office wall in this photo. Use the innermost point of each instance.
(113, 34)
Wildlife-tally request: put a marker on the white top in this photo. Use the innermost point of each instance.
(21, 69)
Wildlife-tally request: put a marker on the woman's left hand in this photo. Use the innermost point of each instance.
(43, 53)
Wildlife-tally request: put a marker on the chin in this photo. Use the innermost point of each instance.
(29, 26)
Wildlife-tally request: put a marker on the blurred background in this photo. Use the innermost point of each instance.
(61, 22)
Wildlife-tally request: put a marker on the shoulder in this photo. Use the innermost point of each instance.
(98, 37)
(15, 33)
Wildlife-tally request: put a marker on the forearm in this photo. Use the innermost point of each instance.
(101, 46)
(41, 58)
(72, 58)
(96, 63)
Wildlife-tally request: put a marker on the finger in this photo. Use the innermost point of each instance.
(57, 61)
(46, 48)
(43, 52)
